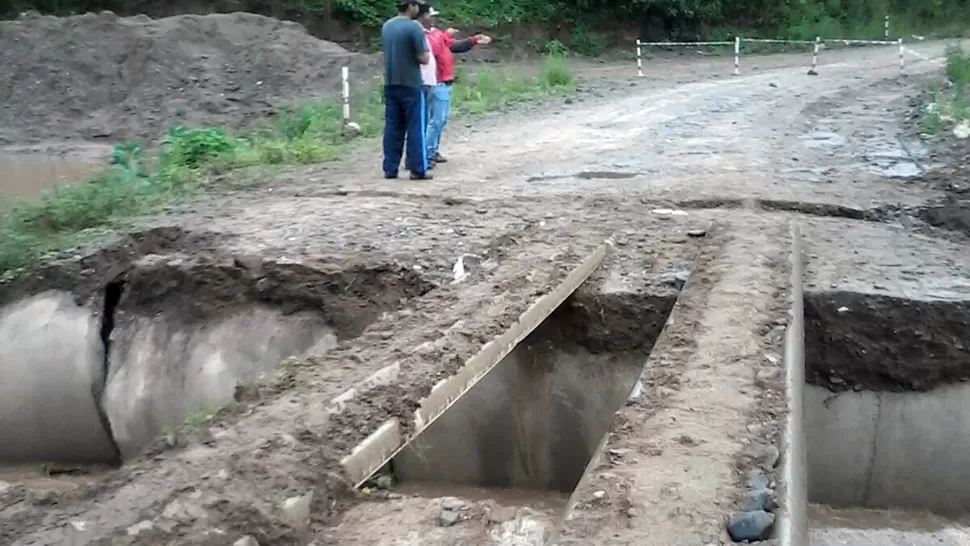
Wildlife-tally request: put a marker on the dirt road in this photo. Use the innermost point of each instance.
(743, 156)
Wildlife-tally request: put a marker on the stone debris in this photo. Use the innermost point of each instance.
(676, 279)
(771, 457)
(246, 541)
(296, 511)
(757, 480)
(452, 503)
(757, 500)
(140, 527)
(447, 518)
(450, 506)
(384, 481)
(755, 525)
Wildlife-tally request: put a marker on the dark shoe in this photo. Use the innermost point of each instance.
(390, 176)
(421, 176)
(438, 158)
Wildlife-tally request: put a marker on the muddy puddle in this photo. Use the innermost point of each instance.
(27, 173)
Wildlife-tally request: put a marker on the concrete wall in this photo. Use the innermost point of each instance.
(51, 362)
(163, 370)
(885, 449)
(533, 422)
(160, 370)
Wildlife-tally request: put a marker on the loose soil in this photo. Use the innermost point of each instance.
(876, 342)
(692, 137)
(99, 76)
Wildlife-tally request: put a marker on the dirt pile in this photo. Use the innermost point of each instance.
(100, 76)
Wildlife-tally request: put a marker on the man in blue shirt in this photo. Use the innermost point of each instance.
(405, 50)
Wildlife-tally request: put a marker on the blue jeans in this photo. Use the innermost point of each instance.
(439, 105)
(404, 117)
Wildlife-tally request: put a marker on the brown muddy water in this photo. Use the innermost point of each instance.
(28, 173)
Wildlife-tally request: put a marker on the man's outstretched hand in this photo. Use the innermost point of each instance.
(483, 39)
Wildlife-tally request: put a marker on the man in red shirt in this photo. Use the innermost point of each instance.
(443, 47)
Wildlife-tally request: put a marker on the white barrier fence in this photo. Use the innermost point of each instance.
(816, 44)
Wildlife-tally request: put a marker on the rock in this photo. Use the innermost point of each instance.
(502, 514)
(246, 541)
(771, 457)
(754, 525)
(697, 233)
(384, 481)
(756, 500)
(139, 527)
(757, 480)
(636, 392)
(447, 518)
(451, 503)
(962, 130)
(296, 511)
(675, 278)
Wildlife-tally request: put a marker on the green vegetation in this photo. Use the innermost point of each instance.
(187, 157)
(583, 24)
(949, 103)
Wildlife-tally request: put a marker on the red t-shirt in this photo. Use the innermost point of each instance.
(441, 49)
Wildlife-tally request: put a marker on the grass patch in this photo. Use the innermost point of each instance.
(186, 158)
(949, 104)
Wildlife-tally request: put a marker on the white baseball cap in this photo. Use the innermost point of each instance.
(433, 12)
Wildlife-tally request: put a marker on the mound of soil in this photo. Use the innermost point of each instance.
(100, 76)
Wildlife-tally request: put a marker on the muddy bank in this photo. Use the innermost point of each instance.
(99, 76)
(862, 341)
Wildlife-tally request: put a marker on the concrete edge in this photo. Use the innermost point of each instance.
(380, 378)
(792, 525)
(370, 455)
(594, 461)
(381, 446)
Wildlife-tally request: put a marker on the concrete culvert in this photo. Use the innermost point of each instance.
(99, 381)
(887, 401)
(536, 420)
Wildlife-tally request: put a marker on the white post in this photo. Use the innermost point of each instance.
(814, 70)
(902, 60)
(737, 55)
(345, 77)
(639, 60)
(886, 29)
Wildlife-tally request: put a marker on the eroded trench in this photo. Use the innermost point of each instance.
(885, 419)
(522, 437)
(97, 378)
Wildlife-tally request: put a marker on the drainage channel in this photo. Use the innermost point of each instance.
(878, 430)
(508, 438)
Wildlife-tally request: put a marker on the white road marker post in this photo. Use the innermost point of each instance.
(886, 29)
(814, 70)
(639, 60)
(737, 55)
(902, 59)
(345, 79)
